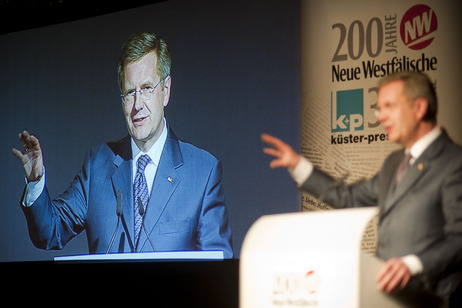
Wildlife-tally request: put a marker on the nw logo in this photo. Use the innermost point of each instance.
(418, 26)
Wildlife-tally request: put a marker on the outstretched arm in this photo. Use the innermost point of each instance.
(394, 274)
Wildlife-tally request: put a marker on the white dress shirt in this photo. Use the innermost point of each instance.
(304, 168)
(154, 153)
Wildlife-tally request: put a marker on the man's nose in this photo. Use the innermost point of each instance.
(380, 115)
(139, 102)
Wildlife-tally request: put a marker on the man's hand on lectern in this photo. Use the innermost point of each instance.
(393, 274)
(31, 158)
(285, 155)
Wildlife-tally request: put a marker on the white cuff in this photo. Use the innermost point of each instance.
(413, 263)
(33, 191)
(302, 171)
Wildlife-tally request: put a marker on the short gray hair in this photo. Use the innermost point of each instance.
(139, 45)
(416, 84)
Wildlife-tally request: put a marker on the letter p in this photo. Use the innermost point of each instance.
(356, 122)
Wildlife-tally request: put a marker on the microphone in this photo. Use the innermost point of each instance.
(333, 186)
(119, 215)
(142, 212)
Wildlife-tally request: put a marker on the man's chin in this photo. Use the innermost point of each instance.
(393, 140)
(139, 136)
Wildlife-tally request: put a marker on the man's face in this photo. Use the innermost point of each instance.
(397, 114)
(145, 118)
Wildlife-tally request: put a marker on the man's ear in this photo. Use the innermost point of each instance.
(167, 87)
(421, 107)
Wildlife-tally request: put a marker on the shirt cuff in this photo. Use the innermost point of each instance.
(413, 263)
(33, 191)
(302, 171)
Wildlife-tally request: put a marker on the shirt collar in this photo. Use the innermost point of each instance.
(155, 151)
(423, 143)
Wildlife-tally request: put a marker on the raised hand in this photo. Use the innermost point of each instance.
(31, 158)
(285, 155)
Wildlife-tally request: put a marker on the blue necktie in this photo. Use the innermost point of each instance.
(140, 191)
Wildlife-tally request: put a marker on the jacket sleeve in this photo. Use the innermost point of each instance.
(53, 223)
(340, 195)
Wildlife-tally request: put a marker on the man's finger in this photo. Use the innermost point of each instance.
(18, 154)
(24, 137)
(275, 142)
(399, 279)
(33, 143)
(404, 281)
(29, 142)
(393, 273)
(393, 282)
(277, 163)
(272, 152)
(384, 270)
(386, 273)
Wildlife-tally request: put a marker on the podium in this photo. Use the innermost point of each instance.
(311, 259)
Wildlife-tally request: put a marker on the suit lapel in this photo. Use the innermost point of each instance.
(412, 176)
(387, 185)
(415, 172)
(165, 183)
(122, 180)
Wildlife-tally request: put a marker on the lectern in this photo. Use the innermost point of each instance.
(310, 259)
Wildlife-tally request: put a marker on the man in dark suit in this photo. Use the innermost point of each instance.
(170, 193)
(418, 190)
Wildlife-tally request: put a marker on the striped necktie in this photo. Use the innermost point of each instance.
(140, 192)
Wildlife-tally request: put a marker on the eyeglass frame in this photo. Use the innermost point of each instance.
(132, 93)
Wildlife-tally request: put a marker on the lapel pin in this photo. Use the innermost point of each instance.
(420, 166)
(170, 179)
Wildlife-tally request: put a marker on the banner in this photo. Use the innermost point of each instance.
(347, 46)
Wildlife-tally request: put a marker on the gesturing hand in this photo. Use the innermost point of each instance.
(285, 155)
(31, 158)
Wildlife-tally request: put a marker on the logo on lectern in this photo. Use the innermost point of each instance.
(311, 282)
(298, 288)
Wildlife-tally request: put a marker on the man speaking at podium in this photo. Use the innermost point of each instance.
(146, 192)
(418, 190)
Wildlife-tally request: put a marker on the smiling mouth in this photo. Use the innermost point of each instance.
(138, 121)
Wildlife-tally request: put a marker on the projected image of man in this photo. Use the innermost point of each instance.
(146, 192)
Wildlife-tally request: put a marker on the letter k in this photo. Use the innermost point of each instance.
(339, 122)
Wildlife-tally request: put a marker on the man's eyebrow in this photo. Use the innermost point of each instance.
(143, 85)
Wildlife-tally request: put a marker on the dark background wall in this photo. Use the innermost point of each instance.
(235, 74)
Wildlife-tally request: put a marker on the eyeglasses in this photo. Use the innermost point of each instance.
(146, 93)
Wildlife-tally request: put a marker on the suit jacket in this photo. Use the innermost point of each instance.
(186, 209)
(421, 216)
